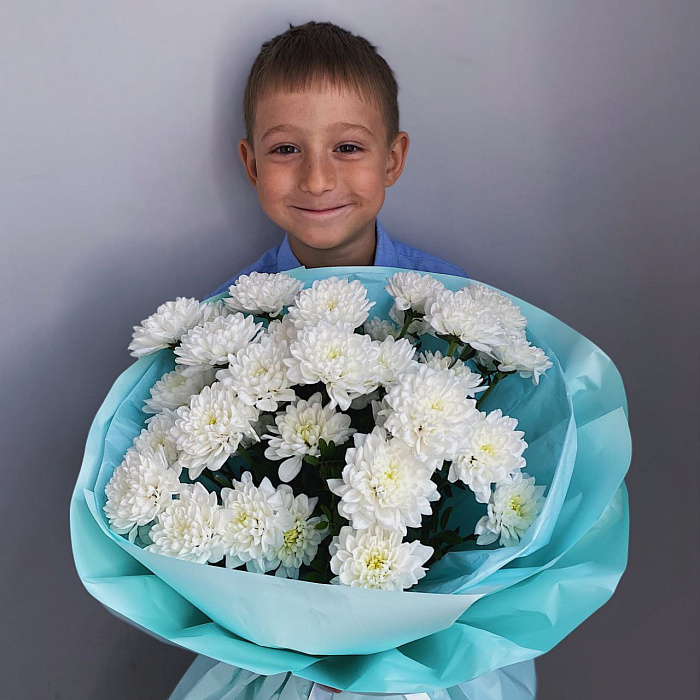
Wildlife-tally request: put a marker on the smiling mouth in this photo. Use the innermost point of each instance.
(319, 211)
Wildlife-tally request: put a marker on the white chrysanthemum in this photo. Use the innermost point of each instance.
(175, 389)
(377, 558)
(379, 329)
(140, 488)
(189, 528)
(214, 309)
(411, 290)
(494, 451)
(395, 357)
(302, 539)
(259, 375)
(381, 410)
(263, 293)
(260, 427)
(333, 300)
(383, 482)
(418, 326)
(210, 429)
(514, 506)
(471, 381)
(211, 344)
(157, 434)
(253, 523)
(166, 326)
(298, 431)
(333, 354)
(431, 413)
(518, 355)
(282, 331)
(505, 310)
(360, 402)
(484, 359)
(458, 314)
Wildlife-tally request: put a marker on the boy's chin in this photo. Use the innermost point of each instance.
(323, 237)
(323, 241)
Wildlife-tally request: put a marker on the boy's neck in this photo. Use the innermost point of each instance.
(360, 251)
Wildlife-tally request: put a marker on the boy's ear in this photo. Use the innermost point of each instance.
(396, 158)
(245, 150)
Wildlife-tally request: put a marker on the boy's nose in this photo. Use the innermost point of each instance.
(317, 175)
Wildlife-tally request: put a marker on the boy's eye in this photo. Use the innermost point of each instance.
(283, 152)
(357, 149)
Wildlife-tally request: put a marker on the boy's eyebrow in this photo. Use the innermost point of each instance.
(338, 125)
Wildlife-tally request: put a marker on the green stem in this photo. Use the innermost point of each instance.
(334, 508)
(408, 318)
(451, 348)
(497, 378)
(218, 479)
(246, 455)
(467, 353)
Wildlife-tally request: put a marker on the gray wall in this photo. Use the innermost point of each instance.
(555, 154)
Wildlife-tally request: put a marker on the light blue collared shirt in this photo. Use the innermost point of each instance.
(388, 253)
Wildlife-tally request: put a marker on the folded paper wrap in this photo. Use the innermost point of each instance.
(207, 679)
(476, 610)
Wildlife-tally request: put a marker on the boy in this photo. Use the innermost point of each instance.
(322, 144)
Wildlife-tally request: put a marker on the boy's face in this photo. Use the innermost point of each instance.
(320, 163)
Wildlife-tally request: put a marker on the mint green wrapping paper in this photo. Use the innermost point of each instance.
(207, 679)
(476, 610)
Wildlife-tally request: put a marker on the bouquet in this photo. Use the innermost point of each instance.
(373, 429)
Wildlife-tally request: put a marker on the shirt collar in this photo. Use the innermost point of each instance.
(384, 254)
(286, 260)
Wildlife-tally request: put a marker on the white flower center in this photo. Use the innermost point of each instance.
(308, 431)
(488, 449)
(377, 561)
(293, 536)
(384, 484)
(516, 505)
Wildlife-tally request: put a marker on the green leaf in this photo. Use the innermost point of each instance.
(315, 577)
(452, 537)
(318, 565)
(445, 517)
(321, 526)
(313, 461)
